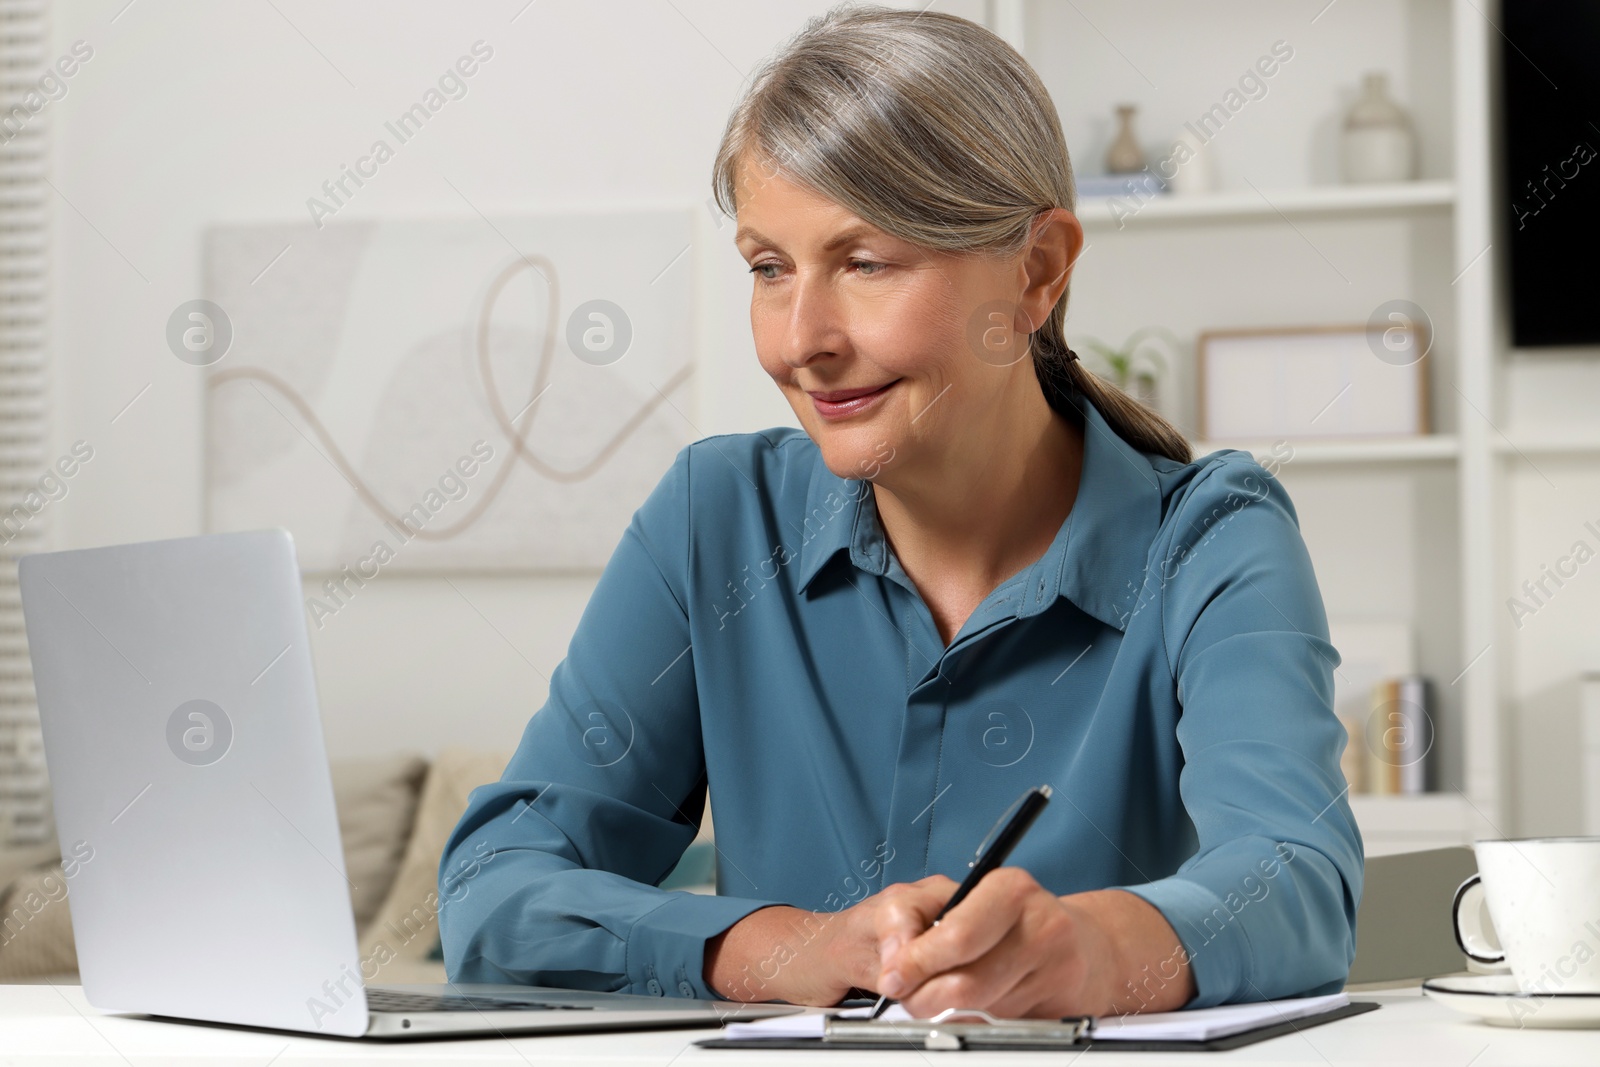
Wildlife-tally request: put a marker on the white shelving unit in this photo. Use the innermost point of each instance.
(1446, 227)
(1407, 824)
(1586, 444)
(1311, 202)
(1433, 446)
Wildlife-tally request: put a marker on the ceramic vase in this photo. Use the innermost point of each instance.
(1378, 143)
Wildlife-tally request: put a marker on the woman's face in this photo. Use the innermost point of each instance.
(838, 306)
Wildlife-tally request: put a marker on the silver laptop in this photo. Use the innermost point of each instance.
(185, 753)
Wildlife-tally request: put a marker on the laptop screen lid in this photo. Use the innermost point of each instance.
(185, 751)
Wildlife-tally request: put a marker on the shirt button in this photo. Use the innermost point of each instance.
(686, 989)
(654, 987)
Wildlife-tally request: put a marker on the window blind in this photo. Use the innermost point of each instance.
(24, 791)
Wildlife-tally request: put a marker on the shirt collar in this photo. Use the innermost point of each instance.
(1097, 559)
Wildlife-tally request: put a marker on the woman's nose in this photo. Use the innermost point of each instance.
(814, 323)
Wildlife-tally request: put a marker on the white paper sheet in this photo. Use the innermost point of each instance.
(1197, 1024)
(808, 1025)
(1202, 1024)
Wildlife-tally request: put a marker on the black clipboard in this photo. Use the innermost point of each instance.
(923, 1035)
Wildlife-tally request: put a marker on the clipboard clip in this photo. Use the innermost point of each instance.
(954, 1028)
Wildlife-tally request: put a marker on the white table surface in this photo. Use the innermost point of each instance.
(48, 1024)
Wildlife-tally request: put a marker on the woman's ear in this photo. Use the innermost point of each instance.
(1047, 262)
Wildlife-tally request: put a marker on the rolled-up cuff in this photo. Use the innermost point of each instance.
(666, 946)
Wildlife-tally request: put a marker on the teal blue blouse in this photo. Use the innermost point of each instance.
(1165, 667)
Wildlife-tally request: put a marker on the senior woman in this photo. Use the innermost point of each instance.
(975, 568)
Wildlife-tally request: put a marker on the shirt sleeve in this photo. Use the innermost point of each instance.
(1266, 906)
(550, 877)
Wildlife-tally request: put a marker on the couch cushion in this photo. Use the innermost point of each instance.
(36, 927)
(407, 925)
(377, 802)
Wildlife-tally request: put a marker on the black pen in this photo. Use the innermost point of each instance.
(991, 854)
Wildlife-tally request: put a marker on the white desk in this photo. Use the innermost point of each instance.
(41, 1024)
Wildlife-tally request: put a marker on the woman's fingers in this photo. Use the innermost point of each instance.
(992, 982)
(1038, 969)
(973, 928)
(906, 909)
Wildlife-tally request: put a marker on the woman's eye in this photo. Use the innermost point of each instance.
(864, 267)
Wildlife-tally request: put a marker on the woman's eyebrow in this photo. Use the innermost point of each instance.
(842, 238)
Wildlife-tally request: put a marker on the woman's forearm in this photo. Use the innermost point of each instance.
(776, 953)
(1148, 969)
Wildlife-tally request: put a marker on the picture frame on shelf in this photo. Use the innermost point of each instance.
(1304, 382)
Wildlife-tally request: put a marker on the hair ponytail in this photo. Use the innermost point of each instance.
(1062, 374)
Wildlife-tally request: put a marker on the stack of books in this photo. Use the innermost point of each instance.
(1139, 184)
(1391, 748)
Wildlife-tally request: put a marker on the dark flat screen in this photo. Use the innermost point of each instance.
(1551, 51)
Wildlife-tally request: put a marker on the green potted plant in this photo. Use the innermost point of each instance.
(1137, 365)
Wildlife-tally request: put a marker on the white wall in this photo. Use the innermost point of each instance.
(195, 113)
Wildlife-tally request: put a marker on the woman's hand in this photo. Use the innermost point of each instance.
(1016, 950)
(812, 957)
(1011, 948)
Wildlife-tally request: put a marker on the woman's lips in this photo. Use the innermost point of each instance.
(843, 409)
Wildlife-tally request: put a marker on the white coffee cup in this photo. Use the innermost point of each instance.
(1533, 911)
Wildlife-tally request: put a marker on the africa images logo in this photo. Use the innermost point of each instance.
(199, 732)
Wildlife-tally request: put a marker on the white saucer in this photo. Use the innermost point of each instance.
(1496, 998)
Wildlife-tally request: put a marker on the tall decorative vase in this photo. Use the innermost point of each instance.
(1125, 155)
(1378, 143)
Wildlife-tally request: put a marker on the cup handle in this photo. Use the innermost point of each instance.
(1475, 936)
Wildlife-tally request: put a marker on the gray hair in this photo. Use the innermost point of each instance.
(936, 131)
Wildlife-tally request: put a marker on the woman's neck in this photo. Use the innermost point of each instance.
(975, 513)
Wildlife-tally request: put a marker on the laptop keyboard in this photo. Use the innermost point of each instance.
(395, 1000)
